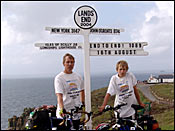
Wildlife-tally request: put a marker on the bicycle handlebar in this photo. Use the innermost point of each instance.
(137, 107)
(108, 107)
(82, 112)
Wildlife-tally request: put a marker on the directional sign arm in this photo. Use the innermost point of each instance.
(118, 49)
(118, 45)
(59, 45)
(106, 31)
(70, 31)
(121, 52)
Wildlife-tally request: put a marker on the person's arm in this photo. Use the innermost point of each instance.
(82, 97)
(138, 96)
(105, 102)
(60, 102)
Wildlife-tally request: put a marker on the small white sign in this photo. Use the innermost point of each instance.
(118, 45)
(73, 31)
(118, 52)
(47, 46)
(104, 31)
(85, 17)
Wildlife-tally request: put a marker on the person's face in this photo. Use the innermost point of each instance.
(122, 71)
(69, 65)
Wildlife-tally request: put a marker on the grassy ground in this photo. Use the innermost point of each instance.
(164, 90)
(164, 114)
(97, 100)
(166, 119)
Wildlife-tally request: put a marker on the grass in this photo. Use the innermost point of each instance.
(97, 100)
(164, 114)
(166, 119)
(164, 90)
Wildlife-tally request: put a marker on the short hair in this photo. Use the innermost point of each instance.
(123, 64)
(69, 55)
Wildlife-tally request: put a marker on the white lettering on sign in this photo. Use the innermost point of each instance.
(105, 31)
(85, 17)
(73, 31)
(43, 46)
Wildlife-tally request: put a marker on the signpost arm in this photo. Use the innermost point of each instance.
(87, 76)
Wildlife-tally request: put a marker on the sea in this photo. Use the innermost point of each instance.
(19, 93)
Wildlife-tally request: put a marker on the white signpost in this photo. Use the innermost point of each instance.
(86, 17)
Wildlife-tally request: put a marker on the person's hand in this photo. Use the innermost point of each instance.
(61, 112)
(82, 106)
(141, 104)
(101, 108)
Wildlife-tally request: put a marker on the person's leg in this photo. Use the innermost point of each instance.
(76, 124)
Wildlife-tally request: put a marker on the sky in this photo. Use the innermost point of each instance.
(23, 24)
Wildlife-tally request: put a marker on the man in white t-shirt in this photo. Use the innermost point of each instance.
(69, 89)
(123, 85)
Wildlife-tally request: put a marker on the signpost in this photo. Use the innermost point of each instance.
(86, 17)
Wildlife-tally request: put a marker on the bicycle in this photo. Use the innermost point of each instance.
(120, 123)
(44, 118)
(140, 122)
(67, 122)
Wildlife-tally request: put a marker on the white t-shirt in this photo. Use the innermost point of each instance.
(121, 87)
(70, 86)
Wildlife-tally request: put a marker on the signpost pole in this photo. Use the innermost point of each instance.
(87, 75)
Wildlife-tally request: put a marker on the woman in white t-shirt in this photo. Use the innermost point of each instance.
(69, 89)
(121, 84)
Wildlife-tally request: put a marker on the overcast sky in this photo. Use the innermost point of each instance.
(23, 24)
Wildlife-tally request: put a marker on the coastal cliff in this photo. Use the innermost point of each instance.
(18, 123)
